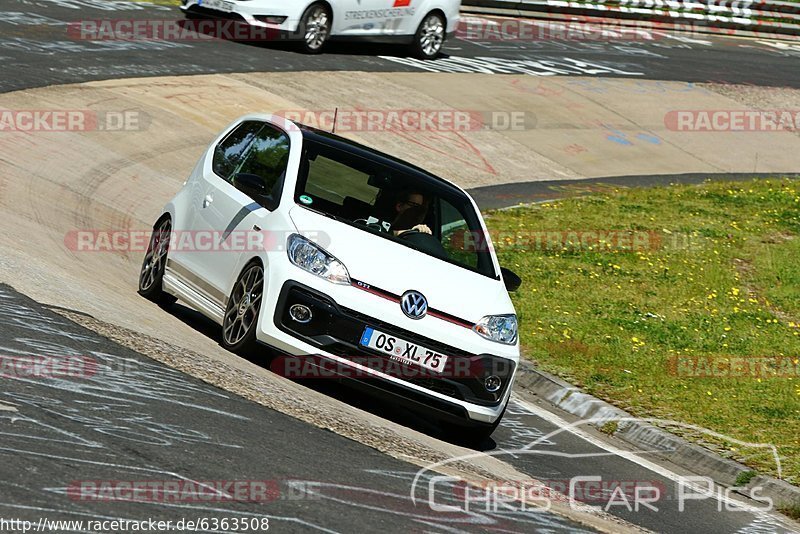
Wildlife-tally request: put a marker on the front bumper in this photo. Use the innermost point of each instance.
(332, 336)
(243, 12)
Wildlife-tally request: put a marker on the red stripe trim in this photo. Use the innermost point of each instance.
(396, 298)
(450, 318)
(369, 289)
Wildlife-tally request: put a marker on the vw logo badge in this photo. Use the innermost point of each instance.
(414, 304)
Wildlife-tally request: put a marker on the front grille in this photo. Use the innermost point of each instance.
(338, 330)
(215, 14)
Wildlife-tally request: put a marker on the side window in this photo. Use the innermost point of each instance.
(266, 159)
(457, 239)
(229, 152)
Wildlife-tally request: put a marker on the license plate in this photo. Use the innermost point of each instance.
(219, 5)
(402, 350)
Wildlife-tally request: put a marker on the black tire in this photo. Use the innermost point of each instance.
(430, 36)
(315, 28)
(240, 321)
(194, 15)
(151, 275)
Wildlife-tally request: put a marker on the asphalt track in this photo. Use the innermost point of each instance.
(201, 433)
(125, 418)
(37, 49)
(501, 196)
(101, 417)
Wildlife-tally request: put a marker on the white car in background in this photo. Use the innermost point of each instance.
(370, 265)
(424, 24)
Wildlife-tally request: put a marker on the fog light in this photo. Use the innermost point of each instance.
(493, 383)
(300, 313)
(270, 19)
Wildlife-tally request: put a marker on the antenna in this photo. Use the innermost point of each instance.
(335, 113)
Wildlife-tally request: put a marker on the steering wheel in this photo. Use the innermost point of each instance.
(405, 233)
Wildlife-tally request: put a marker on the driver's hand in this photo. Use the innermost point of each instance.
(423, 228)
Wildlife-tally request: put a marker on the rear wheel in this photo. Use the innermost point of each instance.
(315, 28)
(151, 276)
(241, 315)
(429, 39)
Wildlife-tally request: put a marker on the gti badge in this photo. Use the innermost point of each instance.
(413, 304)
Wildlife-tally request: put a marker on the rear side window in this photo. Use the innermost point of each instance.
(267, 157)
(257, 149)
(230, 151)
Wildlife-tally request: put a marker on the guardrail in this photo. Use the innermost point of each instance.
(763, 17)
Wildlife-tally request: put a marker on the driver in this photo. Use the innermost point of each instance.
(411, 209)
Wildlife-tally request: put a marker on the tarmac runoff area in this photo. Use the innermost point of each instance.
(133, 143)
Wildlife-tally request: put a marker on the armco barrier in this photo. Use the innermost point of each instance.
(734, 17)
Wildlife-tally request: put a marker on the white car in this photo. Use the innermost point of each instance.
(347, 259)
(424, 24)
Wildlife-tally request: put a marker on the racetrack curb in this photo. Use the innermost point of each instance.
(646, 437)
(632, 18)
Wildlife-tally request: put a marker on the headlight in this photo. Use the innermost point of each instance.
(499, 328)
(315, 260)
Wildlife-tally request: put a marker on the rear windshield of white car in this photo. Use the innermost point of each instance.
(398, 203)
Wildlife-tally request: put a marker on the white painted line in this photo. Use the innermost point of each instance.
(634, 457)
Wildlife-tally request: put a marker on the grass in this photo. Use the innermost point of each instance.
(744, 478)
(790, 509)
(609, 427)
(709, 275)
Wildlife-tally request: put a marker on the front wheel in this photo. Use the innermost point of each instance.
(315, 28)
(151, 276)
(241, 315)
(429, 39)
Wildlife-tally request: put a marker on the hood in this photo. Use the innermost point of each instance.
(394, 268)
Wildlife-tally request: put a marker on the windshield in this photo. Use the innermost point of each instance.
(399, 204)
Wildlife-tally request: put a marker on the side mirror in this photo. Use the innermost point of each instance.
(250, 184)
(511, 279)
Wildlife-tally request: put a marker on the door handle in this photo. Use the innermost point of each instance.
(207, 201)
